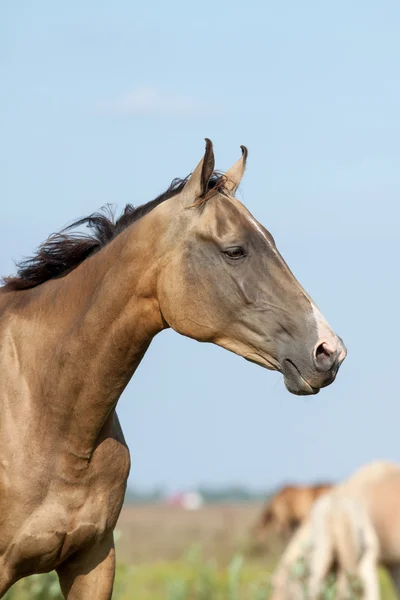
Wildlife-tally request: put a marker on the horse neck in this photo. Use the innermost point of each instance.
(95, 326)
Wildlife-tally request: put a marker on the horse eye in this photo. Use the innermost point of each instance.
(235, 252)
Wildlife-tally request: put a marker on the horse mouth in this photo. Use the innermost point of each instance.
(295, 382)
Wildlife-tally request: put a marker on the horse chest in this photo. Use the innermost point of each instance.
(70, 516)
(54, 531)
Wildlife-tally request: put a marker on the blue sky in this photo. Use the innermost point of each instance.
(109, 101)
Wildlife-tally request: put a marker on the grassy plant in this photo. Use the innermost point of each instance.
(191, 578)
(234, 572)
(36, 587)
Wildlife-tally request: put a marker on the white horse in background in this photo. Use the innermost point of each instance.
(351, 529)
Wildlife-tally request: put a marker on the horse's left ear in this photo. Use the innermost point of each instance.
(235, 173)
(197, 185)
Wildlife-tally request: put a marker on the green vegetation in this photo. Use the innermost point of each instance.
(222, 563)
(191, 578)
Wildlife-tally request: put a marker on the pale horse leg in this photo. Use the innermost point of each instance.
(89, 575)
(357, 546)
(283, 587)
(347, 521)
(321, 555)
(395, 575)
(368, 566)
(369, 575)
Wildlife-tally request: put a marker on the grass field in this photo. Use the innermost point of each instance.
(165, 553)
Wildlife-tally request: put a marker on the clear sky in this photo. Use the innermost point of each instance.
(109, 101)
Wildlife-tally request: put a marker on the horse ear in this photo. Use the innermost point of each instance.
(235, 173)
(197, 184)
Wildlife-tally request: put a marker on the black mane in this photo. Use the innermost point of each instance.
(64, 251)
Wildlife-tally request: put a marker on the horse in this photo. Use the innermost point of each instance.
(76, 321)
(350, 530)
(288, 508)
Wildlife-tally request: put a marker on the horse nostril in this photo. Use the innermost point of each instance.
(323, 350)
(324, 357)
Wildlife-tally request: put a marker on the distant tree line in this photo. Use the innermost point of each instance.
(135, 496)
(234, 493)
(210, 495)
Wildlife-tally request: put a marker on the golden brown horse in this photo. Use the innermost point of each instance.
(288, 508)
(76, 321)
(351, 529)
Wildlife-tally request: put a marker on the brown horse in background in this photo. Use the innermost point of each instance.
(75, 323)
(351, 530)
(288, 508)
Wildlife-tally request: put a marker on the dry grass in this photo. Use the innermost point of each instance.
(159, 532)
(162, 535)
